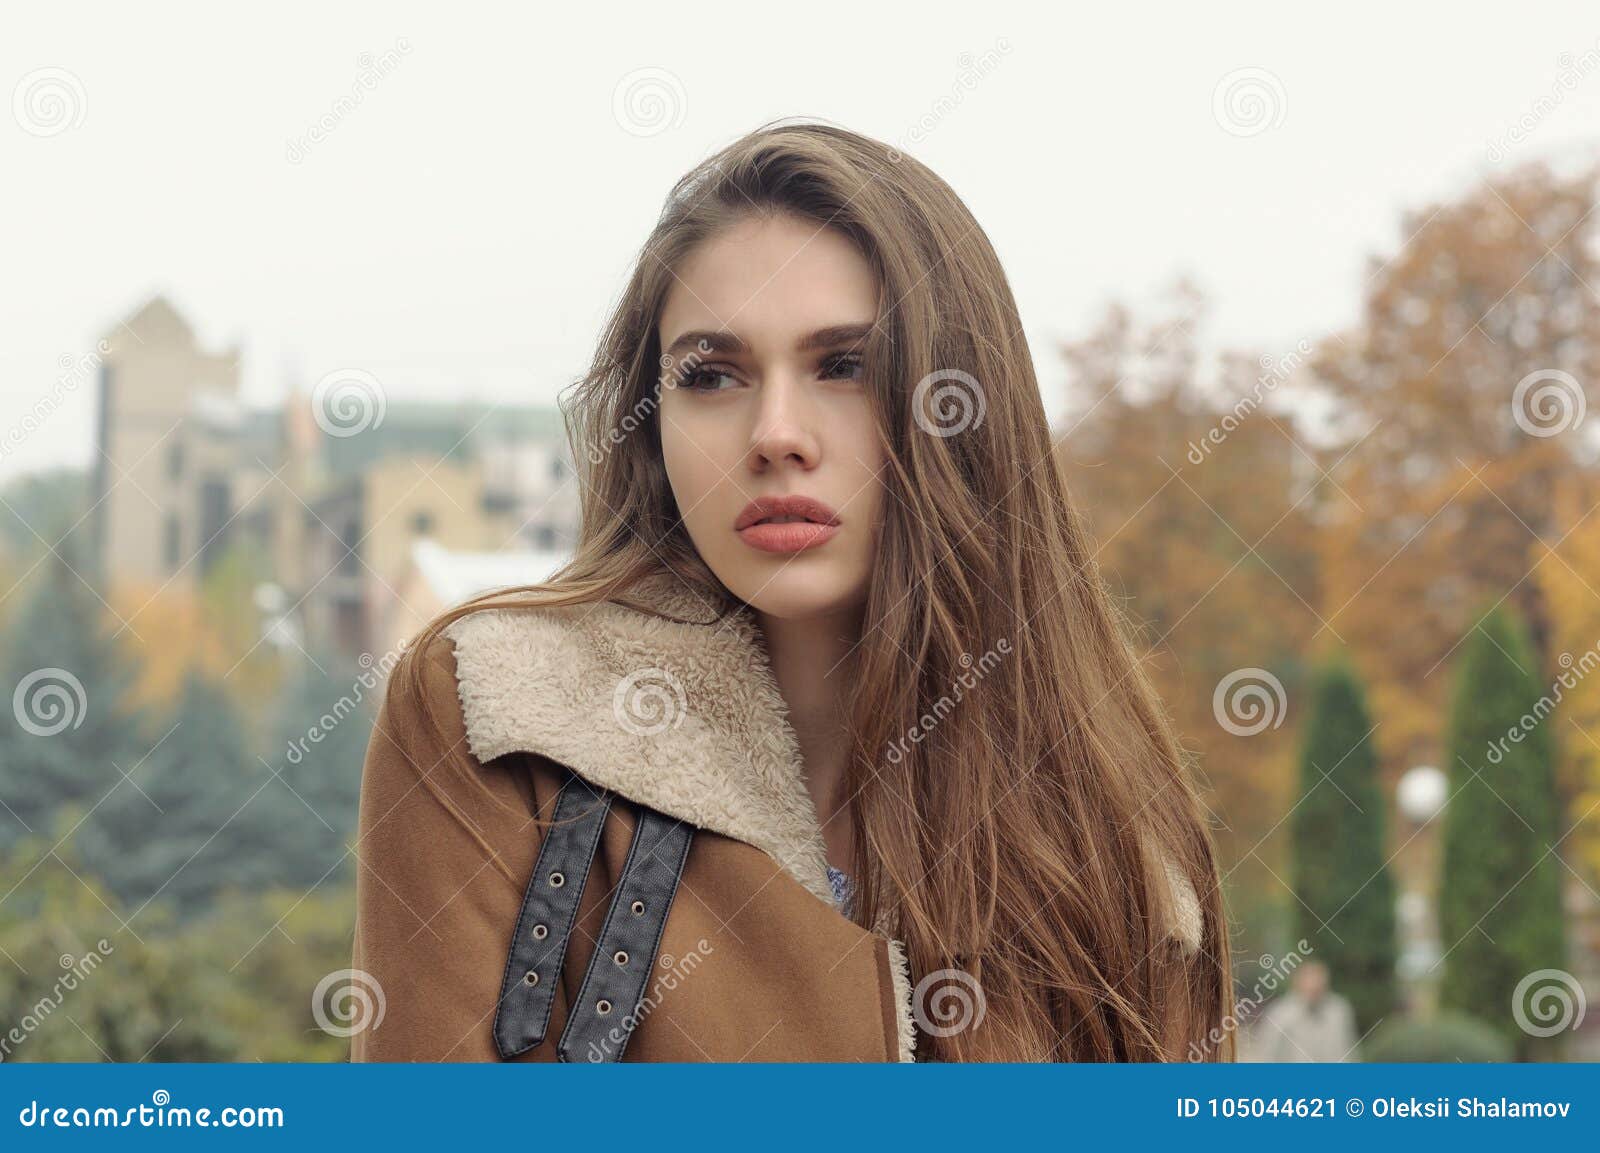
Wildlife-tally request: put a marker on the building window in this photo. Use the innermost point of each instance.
(175, 459)
(173, 542)
(558, 469)
(422, 522)
(350, 542)
(216, 518)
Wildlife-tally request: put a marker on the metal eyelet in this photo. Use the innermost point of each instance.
(557, 880)
(638, 908)
(540, 932)
(602, 1007)
(620, 957)
(531, 977)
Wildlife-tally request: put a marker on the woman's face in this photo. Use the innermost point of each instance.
(764, 397)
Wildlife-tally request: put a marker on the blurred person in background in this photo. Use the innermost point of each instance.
(1308, 1023)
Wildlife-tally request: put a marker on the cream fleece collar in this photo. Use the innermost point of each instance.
(684, 718)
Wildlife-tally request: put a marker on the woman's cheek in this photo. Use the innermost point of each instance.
(696, 485)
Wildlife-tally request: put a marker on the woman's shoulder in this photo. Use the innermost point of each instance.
(420, 762)
(503, 690)
(485, 674)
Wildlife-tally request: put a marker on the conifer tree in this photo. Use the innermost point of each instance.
(1500, 894)
(1345, 907)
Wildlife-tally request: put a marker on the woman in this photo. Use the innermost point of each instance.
(826, 745)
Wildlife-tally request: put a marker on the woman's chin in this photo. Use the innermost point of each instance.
(799, 591)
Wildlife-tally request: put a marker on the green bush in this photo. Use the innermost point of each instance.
(86, 981)
(1448, 1037)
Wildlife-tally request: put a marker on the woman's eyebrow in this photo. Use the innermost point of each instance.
(708, 340)
(834, 336)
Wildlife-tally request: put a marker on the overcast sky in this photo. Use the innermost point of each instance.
(463, 229)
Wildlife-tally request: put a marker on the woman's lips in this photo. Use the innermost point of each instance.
(792, 536)
(788, 522)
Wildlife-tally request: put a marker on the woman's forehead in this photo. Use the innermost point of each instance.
(772, 284)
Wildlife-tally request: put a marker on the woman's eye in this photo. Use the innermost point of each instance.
(843, 367)
(704, 380)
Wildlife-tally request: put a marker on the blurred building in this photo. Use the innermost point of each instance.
(436, 578)
(158, 487)
(185, 473)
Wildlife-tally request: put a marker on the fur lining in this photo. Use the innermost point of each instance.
(900, 973)
(683, 717)
(1188, 922)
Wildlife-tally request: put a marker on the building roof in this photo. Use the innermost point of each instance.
(457, 576)
(440, 431)
(157, 320)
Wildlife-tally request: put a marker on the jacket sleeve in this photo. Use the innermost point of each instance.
(443, 847)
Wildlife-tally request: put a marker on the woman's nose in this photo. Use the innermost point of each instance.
(783, 424)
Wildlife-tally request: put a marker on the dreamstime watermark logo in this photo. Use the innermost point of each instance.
(970, 70)
(677, 969)
(649, 101)
(49, 101)
(677, 369)
(1274, 373)
(372, 70)
(374, 673)
(947, 402)
(75, 372)
(1276, 969)
(1249, 701)
(1570, 72)
(649, 701)
(1547, 1002)
(1572, 671)
(945, 705)
(948, 1001)
(1548, 402)
(77, 971)
(347, 402)
(49, 701)
(1249, 101)
(347, 1002)
(156, 1115)
(674, 371)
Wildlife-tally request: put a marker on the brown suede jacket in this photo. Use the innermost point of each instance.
(754, 963)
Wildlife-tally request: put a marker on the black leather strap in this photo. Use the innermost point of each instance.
(549, 909)
(605, 1014)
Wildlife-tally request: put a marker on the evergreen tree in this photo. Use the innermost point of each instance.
(1346, 894)
(322, 725)
(67, 732)
(194, 818)
(1500, 899)
(212, 815)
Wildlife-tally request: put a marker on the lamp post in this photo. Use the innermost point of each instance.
(1420, 795)
(278, 628)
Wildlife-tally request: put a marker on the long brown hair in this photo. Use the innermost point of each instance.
(1007, 823)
